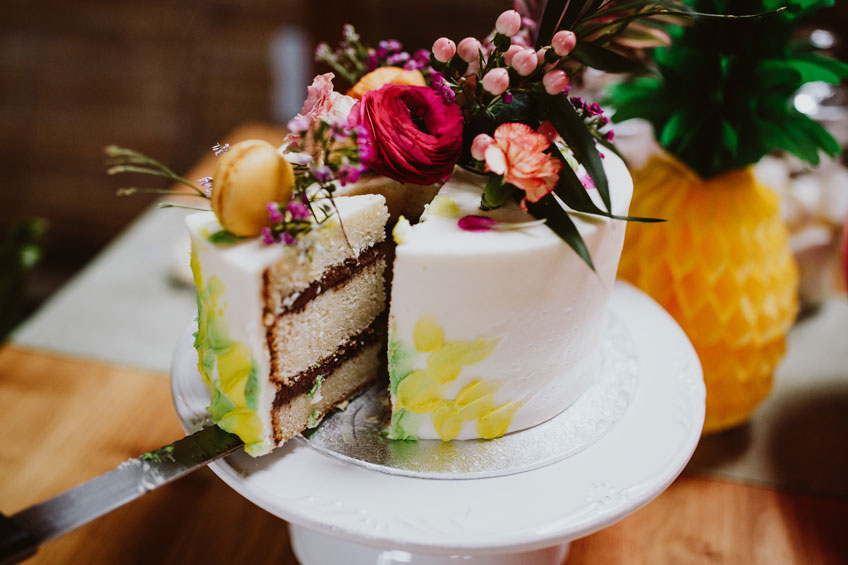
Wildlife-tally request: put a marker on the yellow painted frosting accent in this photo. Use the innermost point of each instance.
(475, 400)
(421, 390)
(418, 393)
(427, 334)
(233, 370)
(495, 423)
(400, 230)
(447, 421)
(444, 206)
(445, 364)
(225, 366)
(245, 424)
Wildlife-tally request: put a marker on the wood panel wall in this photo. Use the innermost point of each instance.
(166, 77)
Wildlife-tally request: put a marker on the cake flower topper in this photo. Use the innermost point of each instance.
(498, 107)
(518, 126)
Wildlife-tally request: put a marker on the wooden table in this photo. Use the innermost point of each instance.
(67, 420)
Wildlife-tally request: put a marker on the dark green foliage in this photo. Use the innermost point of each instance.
(20, 252)
(561, 223)
(723, 97)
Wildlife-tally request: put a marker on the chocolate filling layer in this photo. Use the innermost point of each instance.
(304, 380)
(331, 278)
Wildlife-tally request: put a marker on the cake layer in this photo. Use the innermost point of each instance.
(363, 219)
(299, 340)
(305, 380)
(492, 332)
(332, 277)
(340, 385)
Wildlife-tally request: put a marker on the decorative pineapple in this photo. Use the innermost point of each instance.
(721, 264)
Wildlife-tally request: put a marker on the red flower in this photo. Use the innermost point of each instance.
(415, 135)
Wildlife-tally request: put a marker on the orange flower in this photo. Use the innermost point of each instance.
(385, 75)
(517, 152)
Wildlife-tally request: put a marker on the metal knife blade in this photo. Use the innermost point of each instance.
(100, 495)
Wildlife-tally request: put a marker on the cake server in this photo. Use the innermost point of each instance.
(22, 533)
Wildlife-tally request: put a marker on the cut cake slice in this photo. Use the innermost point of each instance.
(286, 333)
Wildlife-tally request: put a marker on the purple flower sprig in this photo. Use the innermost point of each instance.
(353, 59)
(328, 154)
(594, 119)
(289, 222)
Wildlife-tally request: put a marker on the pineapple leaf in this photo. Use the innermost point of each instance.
(821, 136)
(813, 68)
(724, 94)
(729, 137)
(673, 129)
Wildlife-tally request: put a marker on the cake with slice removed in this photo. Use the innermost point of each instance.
(496, 330)
(286, 333)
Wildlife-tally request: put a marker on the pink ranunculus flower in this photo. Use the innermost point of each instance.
(518, 154)
(415, 135)
(322, 102)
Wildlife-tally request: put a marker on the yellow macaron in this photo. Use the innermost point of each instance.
(248, 176)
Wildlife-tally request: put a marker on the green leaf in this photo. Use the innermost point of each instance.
(575, 195)
(550, 18)
(821, 136)
(774, 74)
(595, 56)
(570, 126)
(673, 128)
(814, 71)
(835, 66)
(729, 137)
(559, 221)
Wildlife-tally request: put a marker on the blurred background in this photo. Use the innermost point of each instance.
(168, 78)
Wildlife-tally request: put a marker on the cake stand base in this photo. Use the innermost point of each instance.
(314, 548)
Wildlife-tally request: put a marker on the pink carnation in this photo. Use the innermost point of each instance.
(518, 153)
(415, 134)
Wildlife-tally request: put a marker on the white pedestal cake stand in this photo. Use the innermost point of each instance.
(343, 512)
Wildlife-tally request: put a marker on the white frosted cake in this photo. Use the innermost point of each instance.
(489, 332)
(287, 333)
(495, 331)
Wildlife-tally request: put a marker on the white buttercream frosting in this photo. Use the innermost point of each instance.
(524, 290)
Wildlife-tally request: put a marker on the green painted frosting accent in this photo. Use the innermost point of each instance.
(221, 405)
(405, 425)
(224, 237)
(316, 387)
(227, 367)
(251, 389)
(314, 419)
(401, 361)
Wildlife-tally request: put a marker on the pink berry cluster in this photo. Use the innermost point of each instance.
(508, 65)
